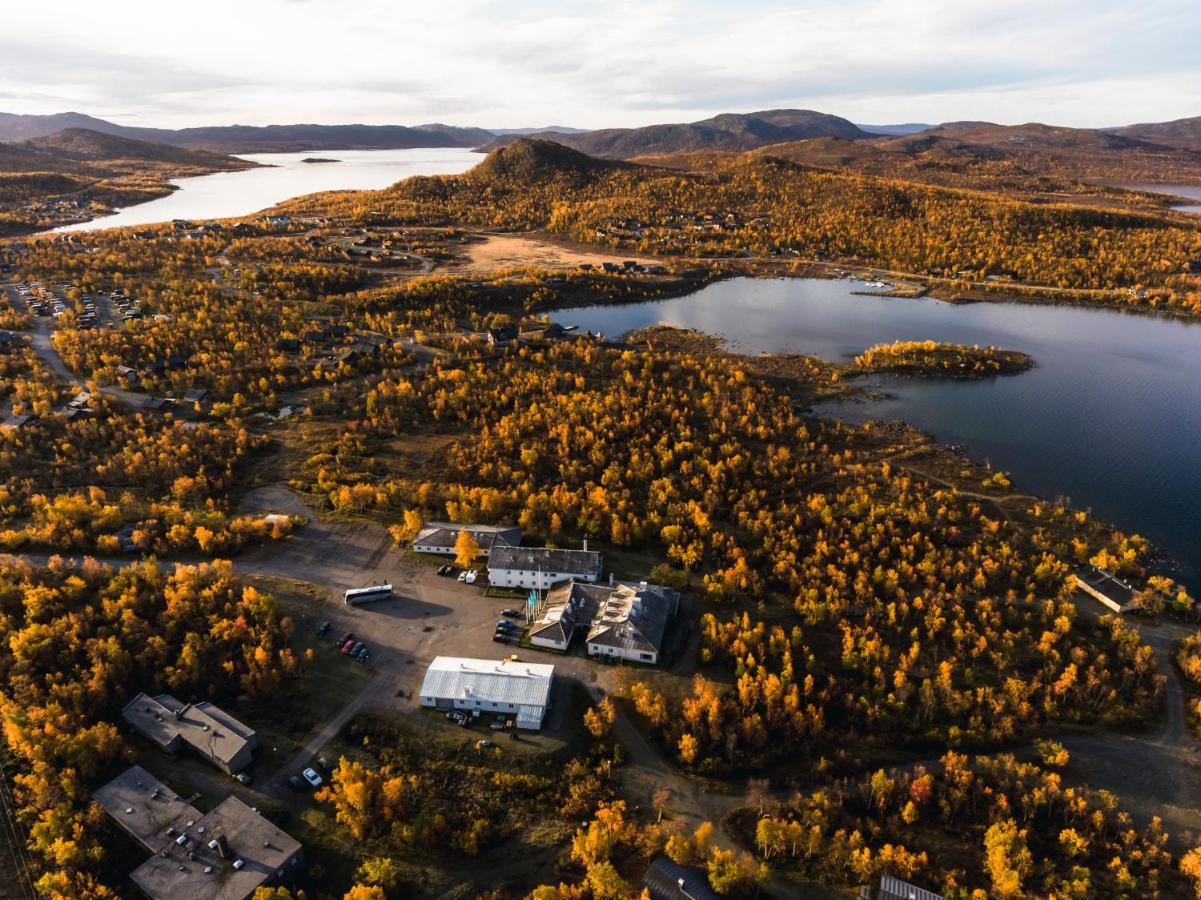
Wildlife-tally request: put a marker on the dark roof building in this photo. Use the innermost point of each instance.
(205, 728)
(622, 620)
(225, 854)
(499, 337)
(541, 567)
(440, 537)
(145, 809)
(632, 622)
(666, 880)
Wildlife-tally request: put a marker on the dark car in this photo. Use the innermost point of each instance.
(295, 783)
(511, 613)
(500, 637)
(446, 571)
(357, 648)
(323, 628)
(349, 636)
(504, 625)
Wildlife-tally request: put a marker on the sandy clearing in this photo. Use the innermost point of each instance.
(501, 251)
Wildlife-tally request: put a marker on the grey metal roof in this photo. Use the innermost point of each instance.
(492, 681)
(666, 880)
(546, 559)
(893, 888)
(634, 617)
(444, 534)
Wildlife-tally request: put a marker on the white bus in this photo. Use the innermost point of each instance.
(355, 596)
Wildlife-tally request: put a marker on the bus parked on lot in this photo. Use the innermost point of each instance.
(356, 596)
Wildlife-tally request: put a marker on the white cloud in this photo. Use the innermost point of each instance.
(595, 64)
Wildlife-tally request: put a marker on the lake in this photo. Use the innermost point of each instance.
(1191, 191)
(1109, 418)
(225, 194)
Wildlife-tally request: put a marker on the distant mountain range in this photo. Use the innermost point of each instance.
(558, 129)
(729, 132)
(254, 138)
(898, 130)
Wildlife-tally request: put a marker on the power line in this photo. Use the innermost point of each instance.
(13, 833)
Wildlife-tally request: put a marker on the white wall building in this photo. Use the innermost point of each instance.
(541, 568)
(519, 689)
(440, 537)
(623, 620)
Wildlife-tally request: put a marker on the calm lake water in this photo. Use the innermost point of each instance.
(1192, 191)
(225, 194)
(1110, 418)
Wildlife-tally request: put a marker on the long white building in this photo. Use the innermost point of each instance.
(440, 537)
(541, 568)
(496, 686)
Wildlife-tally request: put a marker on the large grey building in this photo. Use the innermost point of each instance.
(225, 854)
(622, 620)
(519, 689)
(541, 568)
(207, 729)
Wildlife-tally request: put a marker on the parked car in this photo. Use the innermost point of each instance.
(362, 656)
(357, 648)
(501, 637)
(344, 638)
(504, 625)
(295, 783)
(511, 613)
(322, 628)
(243, 778)
(462, 576)
(471, 576)
(325, 764)
(310, 775)
(446, 571)
(348, 645)
(483, 744)
(499, 724)
(514, 658)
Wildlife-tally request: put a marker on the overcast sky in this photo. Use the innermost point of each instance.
(516, 63)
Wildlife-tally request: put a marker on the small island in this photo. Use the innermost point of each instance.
(930, 359)
(319, 159)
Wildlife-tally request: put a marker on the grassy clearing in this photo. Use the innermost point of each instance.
(284, 722)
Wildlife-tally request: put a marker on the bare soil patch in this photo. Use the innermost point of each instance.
(503, 251)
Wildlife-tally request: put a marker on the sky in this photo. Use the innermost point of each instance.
(517, 63)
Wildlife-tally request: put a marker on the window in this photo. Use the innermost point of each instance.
(646, 656)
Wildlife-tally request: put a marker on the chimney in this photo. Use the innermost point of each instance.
(585, 543)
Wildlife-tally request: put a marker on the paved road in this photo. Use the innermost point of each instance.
(41, 339)
(1155, 774)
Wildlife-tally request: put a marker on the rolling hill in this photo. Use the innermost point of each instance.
(534, 160)
(729, 131)
(254, 138)
(76, 174)
(1182, 133)
(84, 145)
